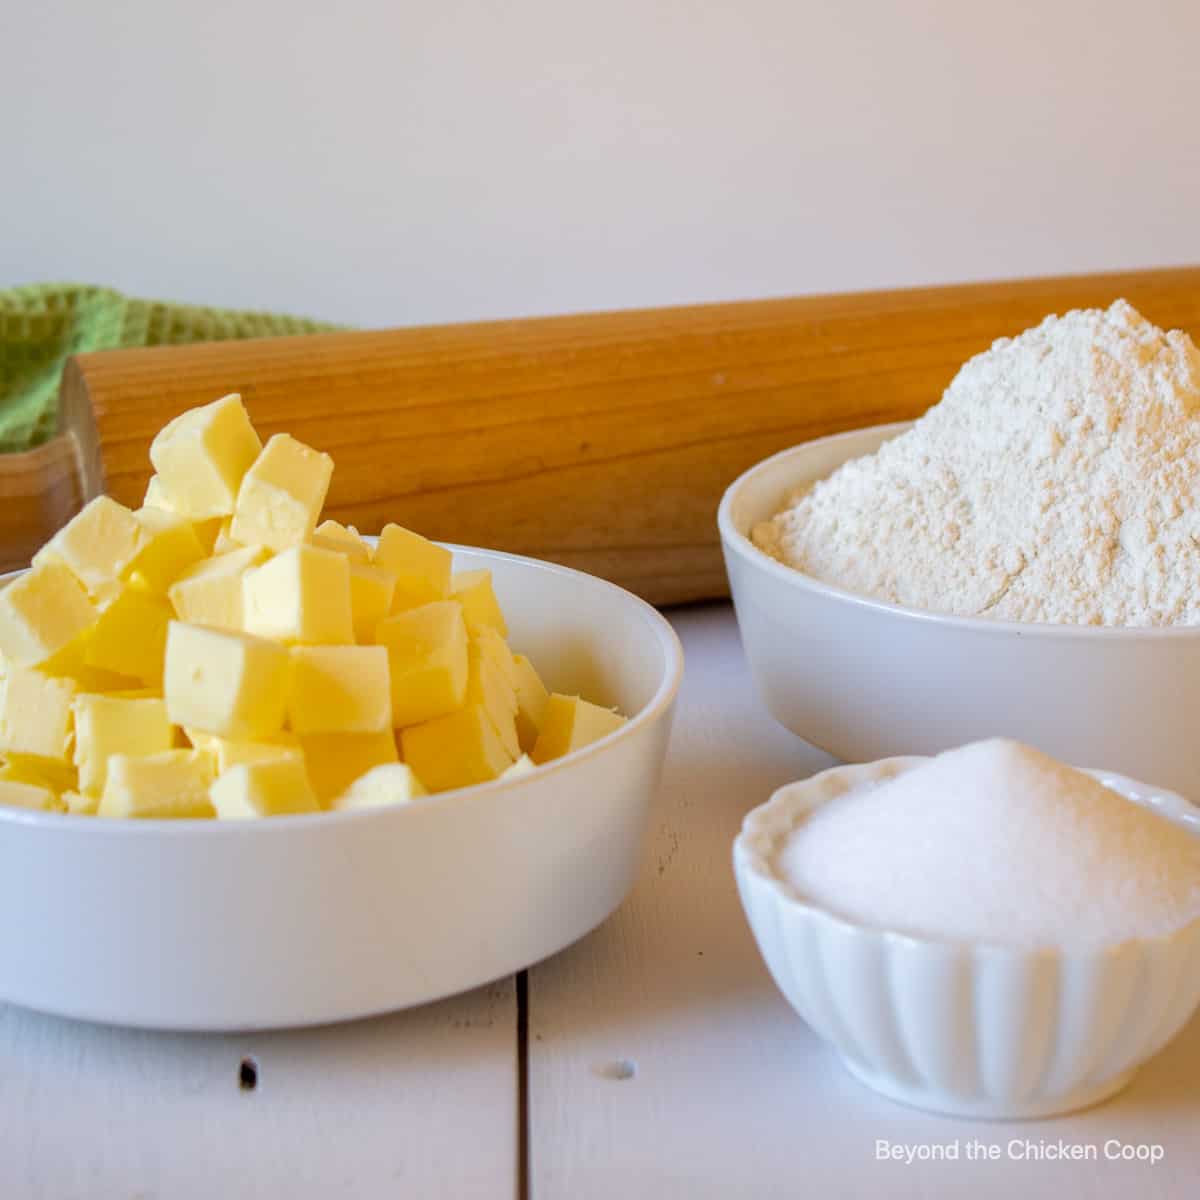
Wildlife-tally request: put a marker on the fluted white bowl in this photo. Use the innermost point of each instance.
(865, 679)
(967, 1028)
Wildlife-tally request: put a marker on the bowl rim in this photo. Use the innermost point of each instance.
(739, 543)
(652, 711)
(790, 801)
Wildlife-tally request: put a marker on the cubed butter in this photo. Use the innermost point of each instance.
(339, 689)
(380, 787)
(336, 760)
(268, 788)
(456, 750)
(231, 753)
(98, 544)
(371, 592)
(58, 776)
(427, 659)
(171, 547)
(481, 610)
(170, 784)
(490, 688)
(210, 593)
(333, 535)
(225, 541)
(156, 495)
(28, 795)
(302, 595)
(202, 456)
(523, 766)
(199, 740)
(532, 698)
(105, 726)
(282, 494)
(35, 714)
(569, 723)
(80, 804)
(208, 532)
(18, 769)
(130, 636)
(42, 613)
(421, 567)
(495, 648)
(225, 683)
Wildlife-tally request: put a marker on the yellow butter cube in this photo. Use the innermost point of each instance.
(570, 723)
(268, 788)
(80, 804)
(339, 689)
(427, 659)
(231, 753)
(208, 532)
(130, 636)
(199, 740)
(35, 714)
(30, 796)
(490, 688)
(58, 776)
(171, 784)
(97, 544)
(456, 750)
(380, 787)
(202, 456)
(371, 592)
(332, 535)
(15, 768)
(301, 595)
(336, 760)
(69, 664)
(225, 541)
(225, 683)
(495, 648)
(105, 726)
(42, 613)
(523, 766)
(473, 590)
(171, 547)
(156, 495)
(210, 593)
(282, 494)
(532, 698)
(421, 567)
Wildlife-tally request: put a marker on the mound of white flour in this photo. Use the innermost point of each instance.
(1057, 480)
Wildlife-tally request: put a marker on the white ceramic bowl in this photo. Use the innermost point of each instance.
(965, 1028)
(864, 679)
(204, 925)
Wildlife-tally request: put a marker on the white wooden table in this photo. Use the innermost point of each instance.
(652, 1059)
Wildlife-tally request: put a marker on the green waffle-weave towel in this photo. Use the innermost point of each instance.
(42, 324)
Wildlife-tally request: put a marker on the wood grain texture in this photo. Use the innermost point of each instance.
(603, 441)
(421, 1104)
(39, 491)
(731, 1095)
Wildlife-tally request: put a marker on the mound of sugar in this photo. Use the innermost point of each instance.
(996, 842)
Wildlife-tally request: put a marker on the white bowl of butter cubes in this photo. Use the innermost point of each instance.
(453, 751)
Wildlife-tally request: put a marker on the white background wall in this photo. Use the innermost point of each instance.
(429, 160)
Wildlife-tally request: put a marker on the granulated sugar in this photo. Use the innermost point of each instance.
(1057, 481)
(996, 842)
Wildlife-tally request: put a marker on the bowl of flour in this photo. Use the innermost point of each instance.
(1023, 561)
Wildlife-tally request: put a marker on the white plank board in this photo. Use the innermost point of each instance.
(730, 1094)
(421, 1103)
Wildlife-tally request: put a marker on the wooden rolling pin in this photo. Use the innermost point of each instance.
(602, 441)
